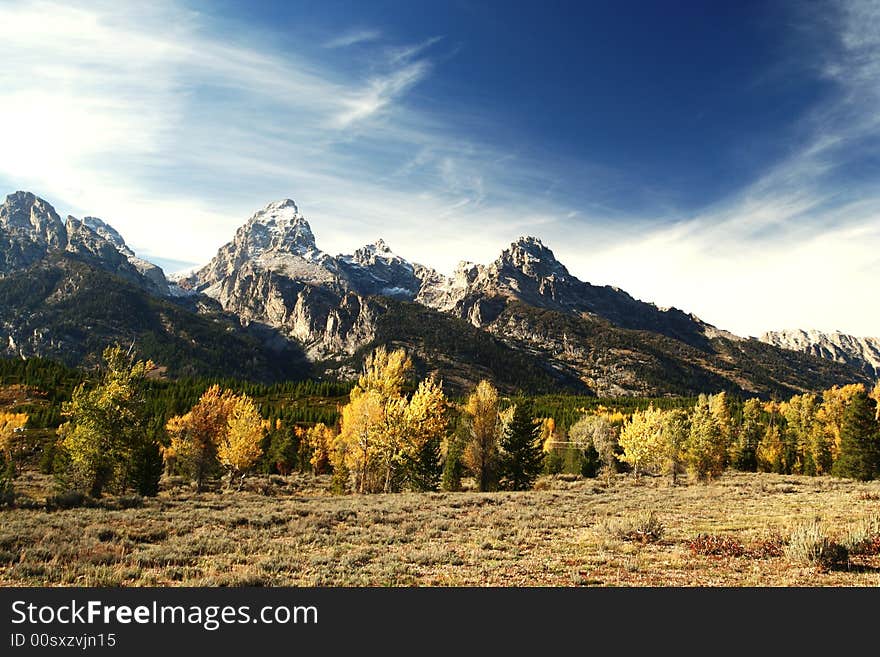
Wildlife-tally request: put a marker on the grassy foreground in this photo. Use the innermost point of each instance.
(289, 531)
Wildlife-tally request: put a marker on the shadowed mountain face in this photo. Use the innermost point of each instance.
(31, 230)
(272, 304)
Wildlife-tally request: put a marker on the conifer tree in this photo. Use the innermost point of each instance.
(859, 440)
(522, 453)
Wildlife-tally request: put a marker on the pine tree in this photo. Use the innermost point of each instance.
(859, 440)
(522, 453)
(425, 471)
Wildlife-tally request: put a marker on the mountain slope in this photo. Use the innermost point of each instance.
(558, 329)
(616, 361)
(64, 307)
(861, 353)
(30, 230)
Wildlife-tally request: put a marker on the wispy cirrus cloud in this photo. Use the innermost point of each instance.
(792, 249)
(164, 126)
(175, 130)
(352, 38)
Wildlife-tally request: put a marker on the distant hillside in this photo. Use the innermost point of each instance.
(67, 309)
(861, 353)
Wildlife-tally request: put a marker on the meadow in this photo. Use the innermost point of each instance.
(569, 531)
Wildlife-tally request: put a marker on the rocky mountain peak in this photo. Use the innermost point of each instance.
(861, 352)
(277, 227)
(370, 254)
(31, 217)
(107, 231)
(529, 255)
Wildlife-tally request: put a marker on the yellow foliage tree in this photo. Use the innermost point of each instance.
(320, 440)
(197, 436)
(10, 425)
(385, 439)
(485, 427)
(426, 422)
(642, 441)
(358, 443)
(830, 413)
(238, 447)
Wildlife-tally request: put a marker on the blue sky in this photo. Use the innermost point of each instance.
(718, 157)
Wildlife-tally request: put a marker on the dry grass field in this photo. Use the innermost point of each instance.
(583, 532)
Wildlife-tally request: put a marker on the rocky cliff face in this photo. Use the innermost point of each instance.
(529, 273)
(31, 230)
(523, 320)
(273, 272)
(862, 353)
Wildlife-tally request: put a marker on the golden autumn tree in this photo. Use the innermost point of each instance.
(387, 441)
(641, 439)
(426, 424)
(831, 412)
(319, 439)
(485, 426)
(11, 424)
(239, 446)
(357, 446)
(197, 436)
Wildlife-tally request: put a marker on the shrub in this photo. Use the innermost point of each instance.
(809, 545)
(67, 500)
(770, 546)
(645, 527)
(715, 545)
(864, 538)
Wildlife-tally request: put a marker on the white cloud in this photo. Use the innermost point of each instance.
(175, 133)
(352, 38)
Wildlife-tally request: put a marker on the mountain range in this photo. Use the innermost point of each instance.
(862, 353)
(272, 304)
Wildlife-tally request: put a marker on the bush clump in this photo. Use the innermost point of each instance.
(715, 545)
(864, 538)
(644, 527)
(809, 545)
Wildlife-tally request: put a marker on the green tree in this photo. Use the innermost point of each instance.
(706, 449)
(675, 433)
(453, 449)
(751, 430)
(107, 435)
(522, 453)
(859, 440)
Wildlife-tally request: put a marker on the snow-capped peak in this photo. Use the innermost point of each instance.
(277, 227)
(529, 255)
(109, 233)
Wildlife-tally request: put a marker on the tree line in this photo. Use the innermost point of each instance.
(392, 433)
(836, 432)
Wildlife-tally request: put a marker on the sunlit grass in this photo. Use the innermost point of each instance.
(290, 531)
